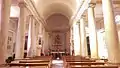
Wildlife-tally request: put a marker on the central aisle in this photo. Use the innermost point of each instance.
(57, 64)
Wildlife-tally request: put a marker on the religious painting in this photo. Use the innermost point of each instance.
(57, 39)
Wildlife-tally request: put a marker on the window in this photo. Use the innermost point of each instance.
(117, 19)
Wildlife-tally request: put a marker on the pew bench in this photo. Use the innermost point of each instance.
(75, 59)
(96, 66)
(80, 60)
(36, 61)
(84, 63)
(33, 61)
(29, 64)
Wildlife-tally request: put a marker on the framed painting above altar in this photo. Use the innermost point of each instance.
(57, 40)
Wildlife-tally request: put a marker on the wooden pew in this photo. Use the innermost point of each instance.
(80, 60)
(84, 63)
(33, 61)
(40, 65)
(76, 61)
(37, 57)
(67, 59)
(28, 64)
(77, 66)
(75, 58)
(36, 61)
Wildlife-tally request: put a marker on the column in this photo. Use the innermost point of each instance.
(65, 41)
(71, 42)
(39, 48)
(31, 47)
(80, 37)
(111, 35)
(92, 31)
(83, 37)
(5, 14)
(76, 37)
(37, 39)
(20, 38)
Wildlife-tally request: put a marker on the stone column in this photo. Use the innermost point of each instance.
(37, 39)
(71, 41)
(76, 36)
(111, 35)
(80, 37)
(20, 39)
(31, 38)
(83, 37)
(5, 14)
(92, 31)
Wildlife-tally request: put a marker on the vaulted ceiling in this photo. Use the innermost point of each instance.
(53, 11)
(56, 13)
(49, 7)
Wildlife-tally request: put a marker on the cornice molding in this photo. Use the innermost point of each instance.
(31, 7)
(21, 4)
(92, 5)
(83, 6)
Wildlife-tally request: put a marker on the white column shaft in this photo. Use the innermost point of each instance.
(111, 32)
(37, 39)
(92, 33)
(80, 38)
(20, 39)
(5, 13)
(76, 37)
(31, 47)
(83, 38)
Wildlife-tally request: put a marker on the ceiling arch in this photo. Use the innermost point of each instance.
(57, 8)
(53, 10)
(49, 7)
(57, 22)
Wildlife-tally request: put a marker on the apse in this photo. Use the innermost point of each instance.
(57, 22)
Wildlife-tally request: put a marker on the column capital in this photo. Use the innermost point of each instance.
(78, 22)
(83, 17)
(22, 4)
(91, 5)
(30, 15)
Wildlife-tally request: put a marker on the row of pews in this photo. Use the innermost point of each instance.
(32, 62)
(84, 62)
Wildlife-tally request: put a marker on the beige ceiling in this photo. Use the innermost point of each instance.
(56, 13)
(48, 9)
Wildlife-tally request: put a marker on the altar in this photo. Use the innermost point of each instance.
(56, 54)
